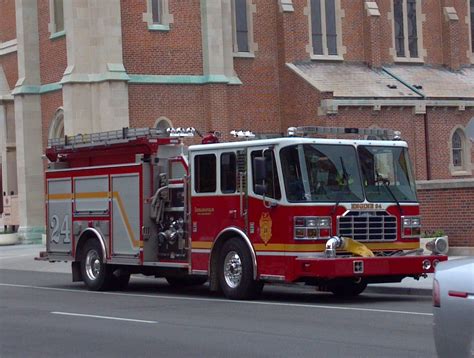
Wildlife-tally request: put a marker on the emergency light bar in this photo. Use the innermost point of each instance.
(311, 130)
(242, 134)
(181, 132)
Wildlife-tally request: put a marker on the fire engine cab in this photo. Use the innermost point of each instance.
(333, 213)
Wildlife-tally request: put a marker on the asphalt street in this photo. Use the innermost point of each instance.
(44, 314)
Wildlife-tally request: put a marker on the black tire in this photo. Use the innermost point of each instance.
(347, 288)
(96, 274)
(235, 271)
(186, 281)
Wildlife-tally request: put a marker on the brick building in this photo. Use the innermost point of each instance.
(95, 65)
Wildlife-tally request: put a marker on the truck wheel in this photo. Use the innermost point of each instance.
(96, 274)
(236, 271)
(347, 288)
(186, 281)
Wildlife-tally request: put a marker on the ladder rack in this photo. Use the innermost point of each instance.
(379, 133)
(123, 135)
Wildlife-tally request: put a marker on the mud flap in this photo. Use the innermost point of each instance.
(76, 271)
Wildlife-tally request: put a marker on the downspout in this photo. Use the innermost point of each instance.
(425, 119)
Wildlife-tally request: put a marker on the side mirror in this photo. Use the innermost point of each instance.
(260, 189)
(259, 163)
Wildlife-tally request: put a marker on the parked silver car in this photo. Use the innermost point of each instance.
(453, 300)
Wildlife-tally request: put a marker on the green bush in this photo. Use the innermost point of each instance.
(434, 233)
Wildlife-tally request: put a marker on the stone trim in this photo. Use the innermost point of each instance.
(286, 5)
(341, 50)
(331, 106)
(167, 18)
(420, 19)
(57, 35)
(93, 77)
(50, 87)
(468, 21)
(183, 79)
(253, 46)
(131, 79)
(5, 93)
(56, 127)
(450, 13)
(444, 184)
(8, 47)
(372, 8)
(466, 168)
(163, 119)
(6, 98)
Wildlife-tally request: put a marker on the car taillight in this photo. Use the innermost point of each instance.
(436, 294)
(312, 227)
(411, 226)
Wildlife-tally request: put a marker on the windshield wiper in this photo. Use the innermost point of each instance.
(345, 178)
(386, 184)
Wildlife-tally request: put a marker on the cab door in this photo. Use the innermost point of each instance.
(267, 222)
(218, 196)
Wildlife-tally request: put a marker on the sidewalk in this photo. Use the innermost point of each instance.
(21, 257)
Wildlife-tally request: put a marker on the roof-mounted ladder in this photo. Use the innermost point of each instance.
(124, 135)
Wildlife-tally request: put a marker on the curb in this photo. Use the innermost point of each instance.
(427, 292)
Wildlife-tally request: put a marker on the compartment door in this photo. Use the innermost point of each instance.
(59, 208)
(126, 211)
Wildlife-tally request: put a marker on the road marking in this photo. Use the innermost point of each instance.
(301, 305)
(15, 256)
(102, 317)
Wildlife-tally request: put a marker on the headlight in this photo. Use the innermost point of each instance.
(312, 227)
(411, 227)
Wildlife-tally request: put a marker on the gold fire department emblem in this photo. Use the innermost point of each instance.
(265, 227)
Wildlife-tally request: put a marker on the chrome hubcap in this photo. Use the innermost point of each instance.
(232, 269)
(92, 265)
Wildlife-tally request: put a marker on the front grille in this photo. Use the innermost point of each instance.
(368, 226)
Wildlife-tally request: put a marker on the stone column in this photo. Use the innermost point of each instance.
(95, 90)
(28, 126)
(218, 60)
(216, 16)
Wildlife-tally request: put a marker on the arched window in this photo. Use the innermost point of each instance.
(56, 129)
(163, 123)
(460, 148)
(457, 146)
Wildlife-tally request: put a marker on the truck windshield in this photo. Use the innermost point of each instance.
(321, 173)
(386, 174)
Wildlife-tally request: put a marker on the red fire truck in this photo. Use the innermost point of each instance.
(333, 213)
